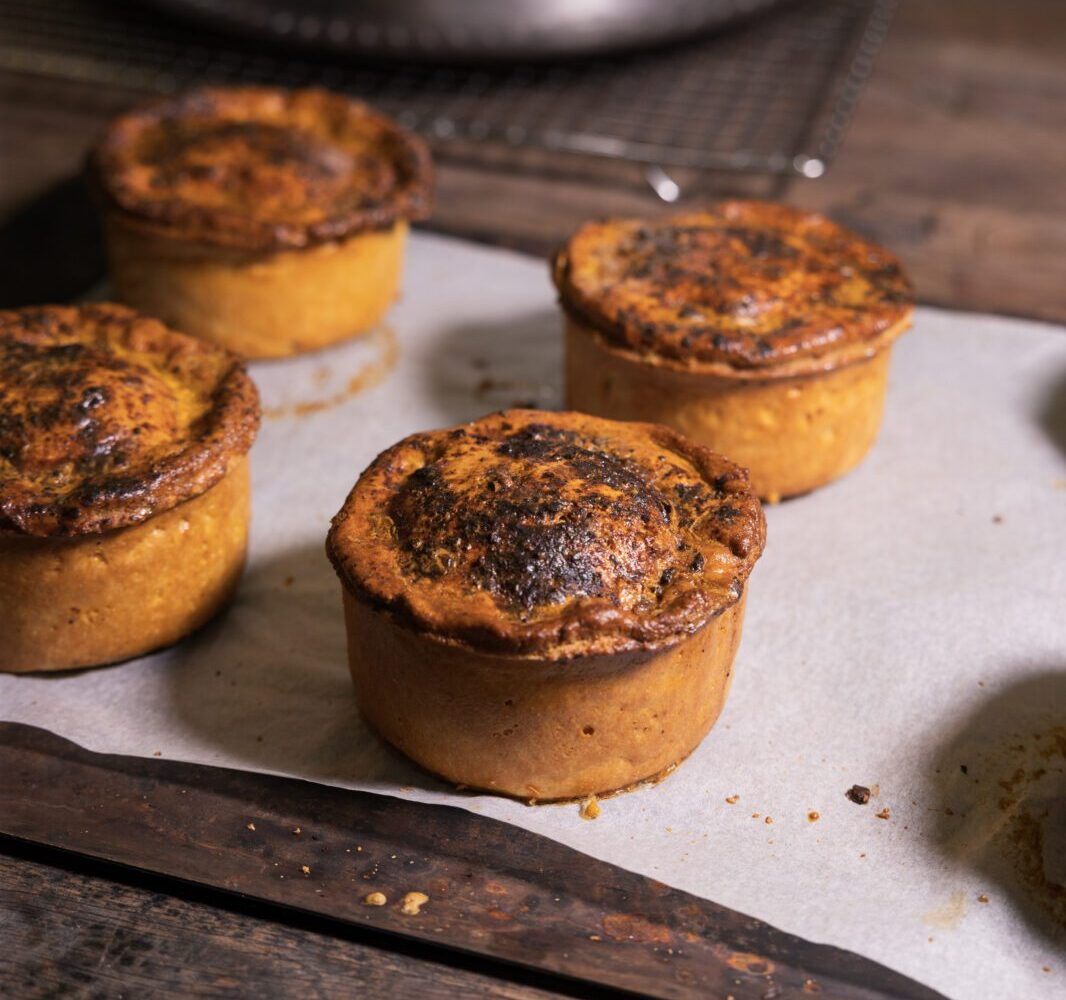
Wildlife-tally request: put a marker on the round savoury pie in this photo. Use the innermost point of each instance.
(124, 491)
(756, 329)
(545, 605)
(269, 221)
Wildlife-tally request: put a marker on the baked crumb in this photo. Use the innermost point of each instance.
(590, 808)
(859, 794)
(375, 899)
(768, 820)
(306, 869)
(413, 903)
(813, 817)
(982, 898)
(732, 799)
(883, 814)
(296, 831)
(158, 753)
(251, 826)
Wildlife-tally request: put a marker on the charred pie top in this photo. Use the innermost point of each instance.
(744, 285)
(108, 418)
(551, 533)
(257, 168)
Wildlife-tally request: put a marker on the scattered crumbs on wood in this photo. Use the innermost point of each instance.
(590, 808)
(595, 937)
(813, 816)
(251, 826)
(732, 799)
(306, 869)
(413, 903)
(859, 794)
(982, 898)
(359, 849)
(296, 831)
(768, 820)
(375, 899)
(883, 814)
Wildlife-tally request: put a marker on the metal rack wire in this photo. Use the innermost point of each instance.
(774, 96)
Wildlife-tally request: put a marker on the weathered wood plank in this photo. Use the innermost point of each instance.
(483, 887)
(68, 933)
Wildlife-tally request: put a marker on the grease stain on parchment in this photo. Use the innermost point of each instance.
(369, 374)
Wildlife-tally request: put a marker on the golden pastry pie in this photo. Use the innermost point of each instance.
(268, 221)
(124, 486)
(545, 605)
(756, 329)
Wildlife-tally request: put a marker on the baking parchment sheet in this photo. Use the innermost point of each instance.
(906, 631)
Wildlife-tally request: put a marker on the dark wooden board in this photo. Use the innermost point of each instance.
(493, 889)
(88, 933)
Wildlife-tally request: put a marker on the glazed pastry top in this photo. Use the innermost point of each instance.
(743, 285)
(258, 168)
(108, 418)
(551, 533)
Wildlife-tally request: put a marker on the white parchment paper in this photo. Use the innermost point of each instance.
(906, 631)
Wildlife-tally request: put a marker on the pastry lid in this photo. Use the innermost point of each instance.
(108, 417)
(549, 534)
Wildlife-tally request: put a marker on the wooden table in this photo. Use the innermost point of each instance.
(955, 160)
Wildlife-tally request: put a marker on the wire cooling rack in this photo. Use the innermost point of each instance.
(772, 96)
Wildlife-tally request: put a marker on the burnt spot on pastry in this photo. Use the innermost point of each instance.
(107, 417)
(260, 169)
(554, 517)
(747, 284)
(551, 516)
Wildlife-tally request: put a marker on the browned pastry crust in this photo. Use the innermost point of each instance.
(108, 418)
(555, 534)
(260, 169)
(742, 287)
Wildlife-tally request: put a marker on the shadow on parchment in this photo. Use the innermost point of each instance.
(1000, 784)
(1051, 413)
(267, 682)
(477, 368)
(51, 248)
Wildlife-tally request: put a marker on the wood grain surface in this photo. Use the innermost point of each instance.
(442, 876)
(954, 160)
(87, 932)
